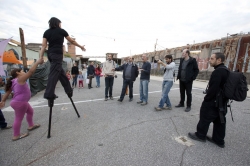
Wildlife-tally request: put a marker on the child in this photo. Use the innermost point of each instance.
(19, 102)
(68, 75)
(80, 79)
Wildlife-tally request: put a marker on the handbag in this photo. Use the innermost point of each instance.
(90, 76)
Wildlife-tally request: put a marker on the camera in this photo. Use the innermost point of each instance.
(156, 61)
(205, 91)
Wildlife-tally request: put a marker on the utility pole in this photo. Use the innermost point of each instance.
(154, 57)
(155, 46)
(23, 50)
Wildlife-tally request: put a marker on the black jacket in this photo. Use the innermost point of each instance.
(192, 69)
(134, 71)
(145, 73)
(91, 70)
(75, 70)
(216, 82)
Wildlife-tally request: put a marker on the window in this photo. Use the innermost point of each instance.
(215, 50)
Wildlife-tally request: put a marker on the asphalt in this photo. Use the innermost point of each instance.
(112, 133)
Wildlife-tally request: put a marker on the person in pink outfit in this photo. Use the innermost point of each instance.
(17, 83)
(68, 75)
(98, 72)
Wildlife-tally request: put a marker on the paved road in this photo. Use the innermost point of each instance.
(121, 134)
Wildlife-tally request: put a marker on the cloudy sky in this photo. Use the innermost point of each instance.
(126, 26)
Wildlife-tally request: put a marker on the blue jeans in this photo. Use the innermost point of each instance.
(166, 86)
(97, 80)
(74, 80)
(144, 90)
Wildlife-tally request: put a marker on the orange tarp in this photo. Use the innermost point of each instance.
(9, 57)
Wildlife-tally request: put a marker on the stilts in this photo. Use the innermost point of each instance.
(51, 104)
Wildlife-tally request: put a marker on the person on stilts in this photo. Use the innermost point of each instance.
(54, 36)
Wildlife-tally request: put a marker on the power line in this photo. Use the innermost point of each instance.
(46, 28)
(92, 34)
(161, 46)
(22, 24)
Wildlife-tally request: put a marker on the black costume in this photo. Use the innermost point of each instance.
(55, 38)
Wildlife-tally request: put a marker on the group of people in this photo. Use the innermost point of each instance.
(187, 72)
(85, 75)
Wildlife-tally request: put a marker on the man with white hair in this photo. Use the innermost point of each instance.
(130, 72)
(144, 80)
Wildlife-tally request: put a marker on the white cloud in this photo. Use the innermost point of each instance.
(126, 26)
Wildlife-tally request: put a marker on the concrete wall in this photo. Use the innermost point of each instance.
(236, 49)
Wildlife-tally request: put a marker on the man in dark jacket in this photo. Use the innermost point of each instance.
(90, 74)
(74, 73)
(130, 72)
(209, 111)
(188, 71)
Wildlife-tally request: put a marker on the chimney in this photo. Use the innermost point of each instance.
(72, 49)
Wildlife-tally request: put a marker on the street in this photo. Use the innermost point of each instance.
(112, 133)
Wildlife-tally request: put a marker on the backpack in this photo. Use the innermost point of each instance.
(235, 87)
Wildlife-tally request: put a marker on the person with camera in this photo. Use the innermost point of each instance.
(91, 73)
(167, 83)
(187, 73)
(209, 111)
(144, 80)
(109, 75)
(130, 72)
